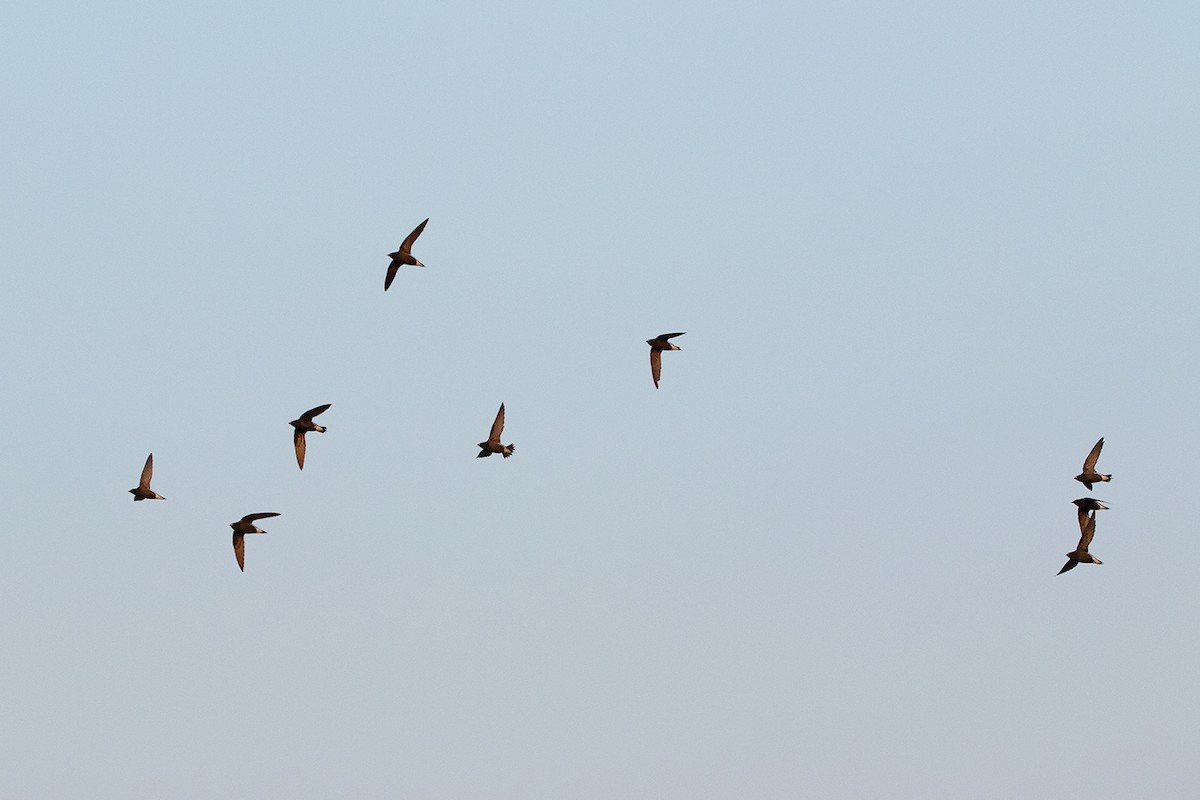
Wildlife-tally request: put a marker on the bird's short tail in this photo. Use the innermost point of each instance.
(509, 450)
(1106, 477)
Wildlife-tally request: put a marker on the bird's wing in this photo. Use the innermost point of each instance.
(263, 515)
(1083, 521)
(669, 335)
(406, 246)
(298, 438)
(393, 268)
(239, 550)
(1067, 567)
(147, 472)
(1088, 531)
(312, 412)
(497, 426)
(655, 365)
(1089, 463)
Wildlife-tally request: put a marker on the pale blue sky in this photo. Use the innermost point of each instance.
(924, 253)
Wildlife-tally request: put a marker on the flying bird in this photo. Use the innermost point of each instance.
(1087, 528)
(241, 528)
(492, 445)
(657, 345)
(143, 490)
(403, 256)
(303, 425)
(1089, 474)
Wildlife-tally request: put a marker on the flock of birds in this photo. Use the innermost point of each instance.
(1088, 506)
(304, 423)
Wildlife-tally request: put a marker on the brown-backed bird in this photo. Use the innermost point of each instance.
(241, 528)
(492, 445)
(403, 256)
(657, 345)
(143, 490)
(1089, 474)
(303, 425)
(1087, 528)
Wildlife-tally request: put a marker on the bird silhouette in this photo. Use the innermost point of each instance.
(242, 527)
(403, 256)
(1089, 474)
(303, 425)
(657, 345)
(143, 490)
(1087, 528)
(492, 445)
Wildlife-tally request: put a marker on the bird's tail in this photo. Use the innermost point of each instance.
(1106, 478)
(509, 450)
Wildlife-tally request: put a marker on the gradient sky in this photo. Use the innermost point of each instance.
(925, 255)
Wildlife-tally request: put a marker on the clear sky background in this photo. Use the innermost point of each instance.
(925, 255)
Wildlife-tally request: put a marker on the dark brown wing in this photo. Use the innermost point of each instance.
(1088, 529)
(1067, 567)
(312, 412)
(1089, 463)
(263, 515)
(406, 246)
(147, 472)
(239, 550)
(666, 336)
(497, 426)
(393, 268)
(655, 365)
(298, 439)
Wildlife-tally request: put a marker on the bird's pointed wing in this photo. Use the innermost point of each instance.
(263, 515)
(393, 268)
(312, 412)
(239, 550)
(669, 335)
(1087, 531)
(1089, 463)
(1083, 521)
(1067, 567)
(406, 246)
(497, 426)
(147, 472)
(655, 365)
(298, 439)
